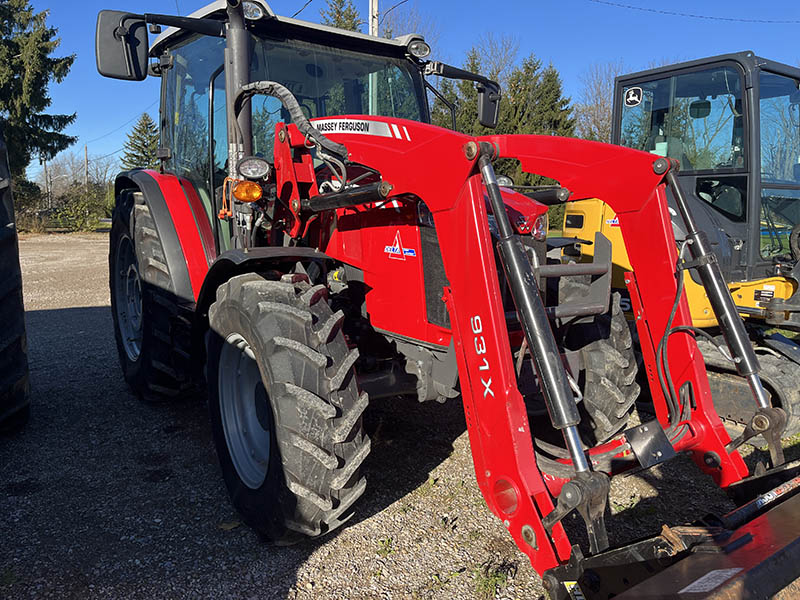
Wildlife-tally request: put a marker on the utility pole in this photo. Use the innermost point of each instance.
(47, 185)
(373, 77)
(86, 168)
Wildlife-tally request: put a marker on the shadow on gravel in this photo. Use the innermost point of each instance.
(102, 495)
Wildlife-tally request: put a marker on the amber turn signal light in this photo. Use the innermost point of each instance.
(247, 191)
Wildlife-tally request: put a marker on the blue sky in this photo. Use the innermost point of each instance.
(572, 34)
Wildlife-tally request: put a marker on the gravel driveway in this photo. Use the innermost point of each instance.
(103, 496)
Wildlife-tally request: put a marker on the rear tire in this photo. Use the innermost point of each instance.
(149, 324)
(608, 378)
(14, 375)
(284, 405)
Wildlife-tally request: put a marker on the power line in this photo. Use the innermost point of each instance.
(386, 12)
(123, 125)
(109, 154)
(302, 9)
(693, 16)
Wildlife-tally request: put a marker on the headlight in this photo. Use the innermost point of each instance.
(252, 11)
(419, 49)
(254, 167)
(539, 230)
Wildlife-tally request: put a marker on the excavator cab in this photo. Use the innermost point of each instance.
(732, 123)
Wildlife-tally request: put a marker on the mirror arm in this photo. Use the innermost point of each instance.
(444, 70)
(210, 27)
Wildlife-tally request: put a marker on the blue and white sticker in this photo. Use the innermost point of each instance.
(613, 222)
(396, 251)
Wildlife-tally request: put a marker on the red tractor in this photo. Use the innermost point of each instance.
(311, 241)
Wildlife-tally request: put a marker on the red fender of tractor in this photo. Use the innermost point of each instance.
(182, 223)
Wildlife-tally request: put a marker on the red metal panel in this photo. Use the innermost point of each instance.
(202, 219)
(186, 227)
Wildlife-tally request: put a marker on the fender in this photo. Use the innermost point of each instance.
(237, 262)
(182, 225)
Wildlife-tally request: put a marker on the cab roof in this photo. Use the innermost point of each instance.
(217, 10)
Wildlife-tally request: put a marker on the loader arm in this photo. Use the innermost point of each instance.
(449, 182)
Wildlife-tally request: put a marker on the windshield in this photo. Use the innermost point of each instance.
(780, 162)
(694, 117)
(331, 81)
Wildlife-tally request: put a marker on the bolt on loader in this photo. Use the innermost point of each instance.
(311, 241)
(733, 123)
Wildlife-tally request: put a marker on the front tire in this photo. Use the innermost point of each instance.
(608, 377)
(284, 405)
(149, 324)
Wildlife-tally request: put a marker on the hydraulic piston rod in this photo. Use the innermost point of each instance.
(533, 317)
(707, 267)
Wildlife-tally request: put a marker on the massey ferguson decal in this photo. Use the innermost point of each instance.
(362, 127)
(397, 251)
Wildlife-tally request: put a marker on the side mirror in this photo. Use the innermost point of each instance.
(121, 45)
(700, 109)
(488, 105)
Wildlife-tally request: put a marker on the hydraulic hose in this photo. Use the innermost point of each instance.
(276, 90)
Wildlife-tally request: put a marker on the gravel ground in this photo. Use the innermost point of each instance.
(103, 496)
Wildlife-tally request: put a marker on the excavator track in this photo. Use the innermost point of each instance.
(732, 397)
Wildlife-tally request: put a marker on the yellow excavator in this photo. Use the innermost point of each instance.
(733, 122)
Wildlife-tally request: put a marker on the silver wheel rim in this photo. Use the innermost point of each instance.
(245, 411)
(128, 288)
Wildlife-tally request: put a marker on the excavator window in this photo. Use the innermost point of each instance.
(695, 117)
(780, 162)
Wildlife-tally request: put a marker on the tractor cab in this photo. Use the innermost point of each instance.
(733, 123)
(329, 71)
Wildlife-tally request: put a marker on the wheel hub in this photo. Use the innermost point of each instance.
(128, 292)
(245, 411)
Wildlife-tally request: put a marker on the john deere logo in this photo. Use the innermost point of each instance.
(633, 97)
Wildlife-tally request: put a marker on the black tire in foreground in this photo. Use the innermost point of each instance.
(608, 378)
(148, 322)
(285, 407)
(14, 376)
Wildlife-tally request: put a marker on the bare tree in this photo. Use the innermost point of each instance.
(103, 169)
(498, 56)
(593, 111)
(407, 18)
(67, 170)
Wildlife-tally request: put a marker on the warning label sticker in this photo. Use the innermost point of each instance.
(764, 295)
(362, 127)
(709, 581)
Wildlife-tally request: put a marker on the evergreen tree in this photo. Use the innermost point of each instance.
(26, 70)
(141, 145)
(342, 14)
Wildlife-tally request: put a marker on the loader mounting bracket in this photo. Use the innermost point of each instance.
(770, 422)
(587, 493)
(650, 444)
